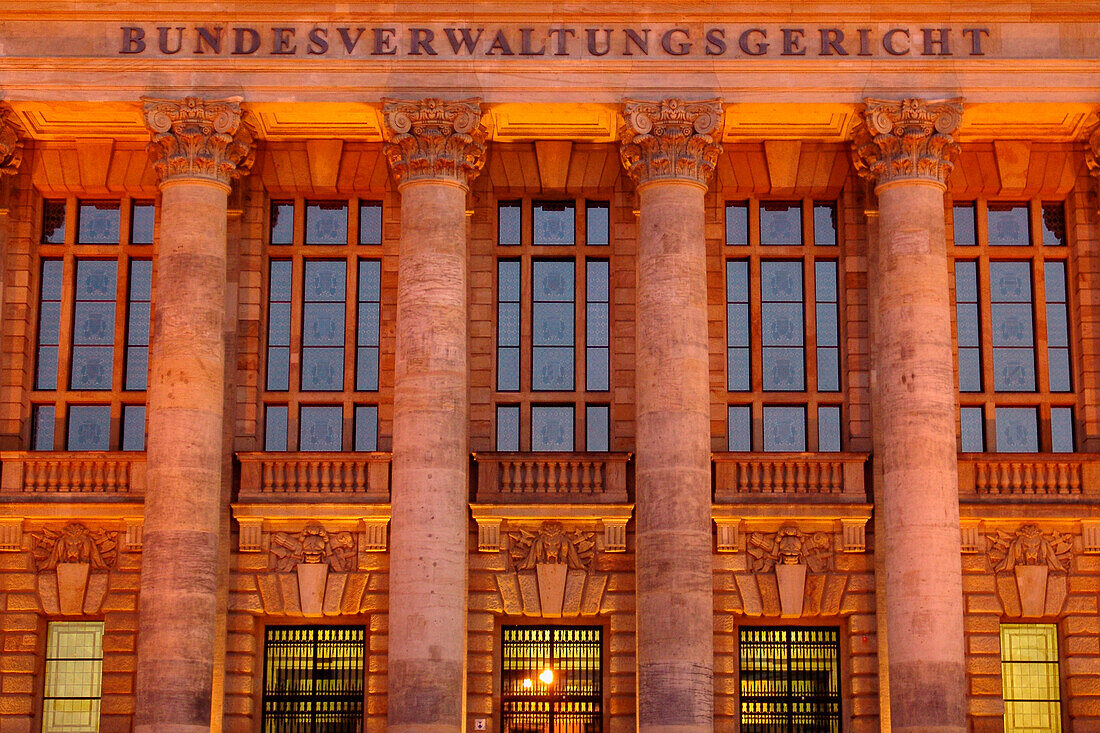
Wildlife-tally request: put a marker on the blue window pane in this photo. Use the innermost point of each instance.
(96, 279)
(1061, 429)
(737, 365)
(508, 427)
(327, 222)
(1017, 430)
(597, 223)
(597, 427)
(828, 429)
(1058, 364)
(370, 222)
(53, 222)
(966, 228)
(46, 374)
(325, 280)
(94, 323)
(737, 223)
(282, 222)
(597, 329)
(1008, 224)
(322, 369)
(1013, 370)
(366, 427)
(279, 289)
(508, 281)
(781, 222)
(966, 282)
(739, 427)
(49, 325)
(42, 429)
(278, 330)
(323, 324)
(737, 324)
(92, 367)
(970, 370)
(737, 281)
(278, 369)
(784, 429)
(137, 368)
(781, 281)
(552, 368)
(783, 369)
(553, 281)
(972, 424)
(98, 222)
(969, 333)
(320, 428)
(551, 428)
(597, 370)
(275, 427)
(824, 224)
(369, 324)
(553, 222)
(133, 427)
(828, 369)
(509, 222)
(552, 324)
(366, 369)
(89, 427)
(508, 369)
(781, 324)
(142, 216)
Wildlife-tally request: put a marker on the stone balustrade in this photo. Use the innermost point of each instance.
(114, 473)
(802, 474)
(548, 478)
(1028, 474)
(324, 476)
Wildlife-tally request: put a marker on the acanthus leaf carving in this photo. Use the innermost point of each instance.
(75, 543)
(433, 139)
(1030, 546)
(198, 138)
(672, 139)
(1092, 152)
(790, 546)
(314, 545)
(11, 145)
(906, 139)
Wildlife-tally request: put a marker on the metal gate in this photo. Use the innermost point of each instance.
(313, 679)
(551, 679)
(790, 680)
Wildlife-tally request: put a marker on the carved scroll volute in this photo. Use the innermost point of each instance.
(671, 140)
(11, 146)
(434, 140)
(195, 138)
(909, 139)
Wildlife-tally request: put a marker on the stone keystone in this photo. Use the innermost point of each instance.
(907, 139)
(195, 138)
(670, 140)
(11, 147)
(434, 139)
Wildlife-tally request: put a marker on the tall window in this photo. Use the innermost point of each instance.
(783, 364)
(1029, 675)
(93, 324)
(551, 679)
(74, 675)
(313, 679)
(1015, 371)
(790, 680)
(324, 284)
(553, 356)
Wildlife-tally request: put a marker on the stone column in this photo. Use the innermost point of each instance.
(906, 150)
(434, 148)
(197, 148)
(669, 151)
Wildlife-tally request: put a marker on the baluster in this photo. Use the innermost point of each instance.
(981, 476)
(1027, 478)
(110, 480)
(124, 477)
(528, 475)
(49, 479)
(97, 476)
(1017, 478)
(996, 478)
(267, 476)
(505, 476)
(36, 475)
(757, 482)
(324, 468)
(1075, 478)
(766, 476)
(800, 471)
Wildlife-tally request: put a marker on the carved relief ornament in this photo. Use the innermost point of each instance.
(790, 554)
(198, 138)
(907, 139)
(550, 572)
(73, 565)
(434, 139)
(670, 140)
(314, 545)
(1030, 567)
(1092, 152)
(11, 146)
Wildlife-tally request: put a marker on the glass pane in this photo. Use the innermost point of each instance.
(737, 324)
(278, 368)
(825, 281)
(49, 325)
(780, 222)
(282, 222)
(1013, 370)
(275, 427)
(597, 427)
(138, 325)
(783, 369)
(323, 324)
(781, 324)
(370, 222)
(133, 427)
(966, 228)
(551, 428)
(970, 370)
(597, 223)
(320, 428)
(508, 219)
(553, 281)
(325, 280)
(1059, 368)
(142, 216)
(552, 324)
(739, 428)
(1030, 678)
(508, 369)
(508, 427)
(784, 429)
(508, 281)
(89, 427)
(366, 369)
(1061, 429)
(92, 367)
(322, 369)
(53, 222)
(597, 370)
(781, 281)
(553, 222)
(824, 224)
(1017, 430)
(737, 281)
(280, 287)
(366, 427)
(1057, 326)
(1054, 224)
(828, 429)
(552, 368)
(737, 223)
(42, 429)
(1013, 335)
(327, 222)
(828, 369)
(97, 222)
(972, 426)
(1009, 224)
(966, 282)
(96, 279)
(737, 367)
(73, 676)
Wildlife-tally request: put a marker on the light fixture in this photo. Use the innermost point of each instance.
(546, 676)
(527, 683)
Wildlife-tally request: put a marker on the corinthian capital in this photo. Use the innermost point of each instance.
(11, 147)
(434, 139)
(670, 140)
(1092, 152)
(198, 138)
(907, 140)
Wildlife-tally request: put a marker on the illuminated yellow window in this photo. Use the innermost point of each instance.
(1029, 669)
(74, 674)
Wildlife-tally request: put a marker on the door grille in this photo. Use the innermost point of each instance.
(313, 679)
(568, 702)
(790, 680)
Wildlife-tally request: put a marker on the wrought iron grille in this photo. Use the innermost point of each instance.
(790, 680)
(568, 699)
(313, 679)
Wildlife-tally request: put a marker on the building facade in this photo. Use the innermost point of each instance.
(670, 367)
